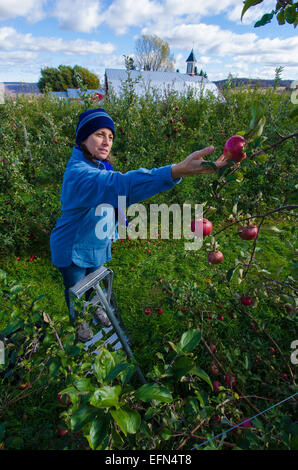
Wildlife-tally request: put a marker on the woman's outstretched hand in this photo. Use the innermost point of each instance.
(192, 165)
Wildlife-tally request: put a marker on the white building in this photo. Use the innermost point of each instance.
(160, 81)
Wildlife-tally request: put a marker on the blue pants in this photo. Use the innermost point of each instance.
(71, 275)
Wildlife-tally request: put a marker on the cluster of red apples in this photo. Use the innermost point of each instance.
(233, 150)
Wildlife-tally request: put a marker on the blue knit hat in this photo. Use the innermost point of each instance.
(90, 121)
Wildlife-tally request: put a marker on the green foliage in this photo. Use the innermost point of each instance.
(285, 12)
(65, 76)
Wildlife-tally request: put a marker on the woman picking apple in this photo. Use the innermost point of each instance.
(89, 181)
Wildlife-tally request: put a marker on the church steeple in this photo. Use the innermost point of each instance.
(190, 68)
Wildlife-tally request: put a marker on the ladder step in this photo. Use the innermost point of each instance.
(89, 281)
(111, 340)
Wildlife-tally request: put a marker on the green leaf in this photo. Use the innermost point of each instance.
(81, 417)
(257, 112)
(116, 371)
(202, 374)
(211, 164)
(70, 390)
(203, 398)
(144, 429)
(265, 19)
(271, 228)
(294, 114)
(128, 420)
(229, 274)
(99, 429)
(290, 14)
(54, 367)
(174, 347)
(11, 327)
(153, 391)
(106, 396)
(103, 365)
(281, 17)
(2, 275)
(262, 158)
(166, 434)
(248, 4)
(83, 385)
(127, 373)
(239, 177)
(17, 288)
(222, 171)
(189, 340)
(38, 298)
(182, 366)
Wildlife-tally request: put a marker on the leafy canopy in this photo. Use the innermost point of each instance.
(65, 76)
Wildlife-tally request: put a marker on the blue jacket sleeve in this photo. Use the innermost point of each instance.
(88, 188)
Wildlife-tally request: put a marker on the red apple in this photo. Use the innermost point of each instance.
(220, 317)
(147, 311)
(216, 385)
(246, 300)
(196, 226)
(62, 432)
(160, 311)
(24, 386)
(213, 348)
(234, 148)
(248, 233)
(214, 369)
(215, 257)
(230, 379)
(216, 418)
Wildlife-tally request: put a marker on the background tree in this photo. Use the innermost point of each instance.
(88, 78)
(65, 76)
(152, 53)
(129, 63)
(202, 74)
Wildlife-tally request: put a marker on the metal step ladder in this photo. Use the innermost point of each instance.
(114, 334)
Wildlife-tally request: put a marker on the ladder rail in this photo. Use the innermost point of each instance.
(92, 281)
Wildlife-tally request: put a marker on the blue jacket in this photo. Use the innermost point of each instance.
(85, 186)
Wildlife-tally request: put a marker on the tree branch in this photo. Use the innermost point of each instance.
(295, 134)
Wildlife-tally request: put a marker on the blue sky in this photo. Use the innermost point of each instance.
(97, 33)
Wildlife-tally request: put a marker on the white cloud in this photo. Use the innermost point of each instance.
(125, 13)
(16, 58)
(78, 15)
(31, 9)
(10, 39)
(201, 8)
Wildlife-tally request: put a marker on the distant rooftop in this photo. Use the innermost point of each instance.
(18, 88)
(162, 81)
(191, 57)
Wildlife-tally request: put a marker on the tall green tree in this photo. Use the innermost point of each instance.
(65, 76)
(152, 53)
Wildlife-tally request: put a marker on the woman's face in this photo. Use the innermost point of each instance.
(100, 143)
